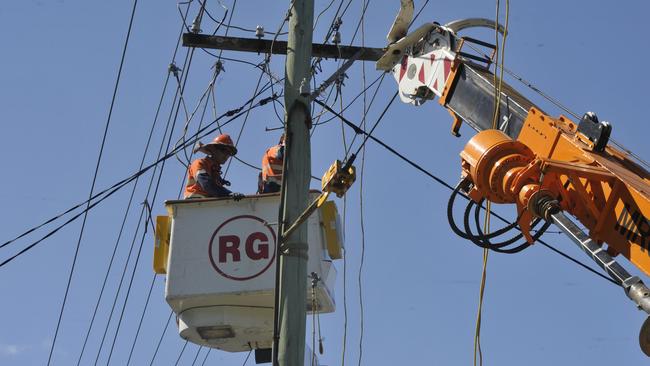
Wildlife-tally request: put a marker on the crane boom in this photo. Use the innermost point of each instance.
(548, 167)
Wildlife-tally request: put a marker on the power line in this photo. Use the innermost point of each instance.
(92, 186)
(361, 24)
(196, 356)
(233, 113)
(162, 335)
(162, 168)
(358, 130)
(137, 332)
(181, 354)
(206, 357)
(128, 207)
(366, 110)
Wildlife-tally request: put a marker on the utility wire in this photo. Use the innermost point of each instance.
(174, 70)
(128, 207)
(448, 186)
(137, 332)
(247, 357)
(162, 335)
(189, 158)
(92, 187)
(381, 116)
(378, 79)
(241, 130)
(153, 200)
(361, 25)
(366, 110)
(196, 356)
(181, 354)
(206, 357)
(207, 130)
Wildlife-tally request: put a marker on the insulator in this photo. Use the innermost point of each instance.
(336, 37)
(259, 31)
(196, 25)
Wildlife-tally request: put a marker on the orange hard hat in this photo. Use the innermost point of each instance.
(222, 141)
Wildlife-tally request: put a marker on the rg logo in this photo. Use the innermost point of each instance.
(242, 247)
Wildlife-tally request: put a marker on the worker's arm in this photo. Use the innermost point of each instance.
(210, 187)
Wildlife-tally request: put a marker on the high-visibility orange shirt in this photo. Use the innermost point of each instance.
(205, 166)
(272, 164)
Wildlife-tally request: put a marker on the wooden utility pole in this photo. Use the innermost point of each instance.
(293, 259)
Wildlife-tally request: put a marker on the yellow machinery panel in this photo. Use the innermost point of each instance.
(161, 244)
(332, 238)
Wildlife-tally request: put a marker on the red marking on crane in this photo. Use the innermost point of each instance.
(447, 64)
(402, 69)
(432, 58)
(421, 74)
(435, 85)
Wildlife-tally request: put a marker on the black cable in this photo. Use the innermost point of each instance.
(281, 227)
(365, 112)
(361, 18)
(232, 12)
(445, 184)
(196, 356)
(137, 332)
(119, 288)
(220, 23)
(162, 335)
(137, 259)
(186, 64)
(92, 187)
(577, 262)
(153, 200)
(247, 357)
(323, 12)
(484, 243)
(206, 357)
(128, 207)
(158, 184)
(205, 96)
(353, 100)
(241, 130)
(418, 14)
(181, 354)
(233, 113)
(369, 134)
(199, 128)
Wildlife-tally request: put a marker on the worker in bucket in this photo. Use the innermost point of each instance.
(270, 179)
(204, 174)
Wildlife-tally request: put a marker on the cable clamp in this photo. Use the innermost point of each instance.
(315, 279)
(299, 250)
(174, 69)
(218, 67)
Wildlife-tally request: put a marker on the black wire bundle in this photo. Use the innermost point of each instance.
(485, 240)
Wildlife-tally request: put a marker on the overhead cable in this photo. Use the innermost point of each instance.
(92, 186)
(207, 130)
(447, 185)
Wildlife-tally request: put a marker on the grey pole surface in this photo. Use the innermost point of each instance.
(293, 261)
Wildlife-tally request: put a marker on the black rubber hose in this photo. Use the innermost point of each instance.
(474, 239)
(450, 211)
(480, 240)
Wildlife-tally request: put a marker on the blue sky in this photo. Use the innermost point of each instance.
(419, 281)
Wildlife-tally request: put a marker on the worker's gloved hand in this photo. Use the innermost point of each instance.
(237, 196)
